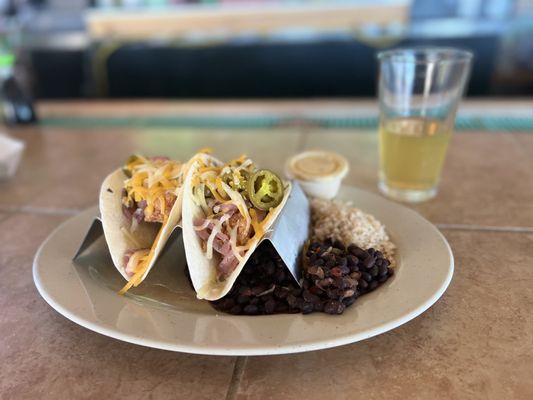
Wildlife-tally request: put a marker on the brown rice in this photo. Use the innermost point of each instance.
(340, 221)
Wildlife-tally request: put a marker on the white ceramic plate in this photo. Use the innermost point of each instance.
(163, 312)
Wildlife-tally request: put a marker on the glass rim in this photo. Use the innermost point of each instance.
(409, 55)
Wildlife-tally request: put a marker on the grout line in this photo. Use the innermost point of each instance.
(485, 228)
(238, 372)
(40, 210)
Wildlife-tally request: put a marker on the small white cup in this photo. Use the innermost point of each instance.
(10, 155)
(317, 181)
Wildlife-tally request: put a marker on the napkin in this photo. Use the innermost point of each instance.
(10, 154)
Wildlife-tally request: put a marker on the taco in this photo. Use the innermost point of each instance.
(140, 205)
(227, 209)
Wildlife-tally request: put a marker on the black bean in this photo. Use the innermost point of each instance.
(333, 281)
(383, 270)
(307, 308)
(334, 307)
(296, 291)
(226, 304)
(319, 262)
(339, 245)
(310, 297)
(330, 262)
(282, 308)
(280, 275)
(348, 301)
(368, 262)
(235, 309)
(360, 254)
(245, 291)
(340, 283)
(270, 306)
(352, 260)
(354, 268)
(267, 297)
(337, 252)
(291, 300)
(250, 309)
(371, 251)
(353, 249)
(366, 276)
(342, 262)
(315, 290)
(243, 299)
(345, 270)
(280, 292)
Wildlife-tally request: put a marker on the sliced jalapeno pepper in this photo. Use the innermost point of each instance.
(241, 183)
(265, 189)
(131, 160)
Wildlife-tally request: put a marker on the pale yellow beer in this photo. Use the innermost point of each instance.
(412, 152)
(419, 91)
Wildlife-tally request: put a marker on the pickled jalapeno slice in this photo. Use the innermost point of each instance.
(265, 189)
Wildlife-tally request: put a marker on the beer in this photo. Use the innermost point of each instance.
(412, 152)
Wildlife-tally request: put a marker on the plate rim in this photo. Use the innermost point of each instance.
(304, 346)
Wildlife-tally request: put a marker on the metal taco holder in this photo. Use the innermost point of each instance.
(287, 235)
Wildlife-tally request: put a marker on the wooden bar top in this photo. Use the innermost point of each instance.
(476, 342)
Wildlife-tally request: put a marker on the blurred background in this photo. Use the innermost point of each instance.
(71, 49)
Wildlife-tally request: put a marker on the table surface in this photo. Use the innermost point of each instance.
(476, 342)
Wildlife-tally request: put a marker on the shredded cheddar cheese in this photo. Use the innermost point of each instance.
(152, 180)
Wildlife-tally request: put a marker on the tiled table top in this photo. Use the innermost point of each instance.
(476, 342)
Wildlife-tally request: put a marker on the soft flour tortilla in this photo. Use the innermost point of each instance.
(201, 269)
(115, 222)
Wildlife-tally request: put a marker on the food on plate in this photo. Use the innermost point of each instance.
(319, 173)
(340, 221)
(334, 276)
(140, 205)
(227, 209)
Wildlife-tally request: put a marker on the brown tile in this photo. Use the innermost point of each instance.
(64, 168)
(485, 179)
(46, 356)
(475, 343)
(525, 143)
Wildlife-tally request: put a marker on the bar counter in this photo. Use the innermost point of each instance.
(476, 342)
